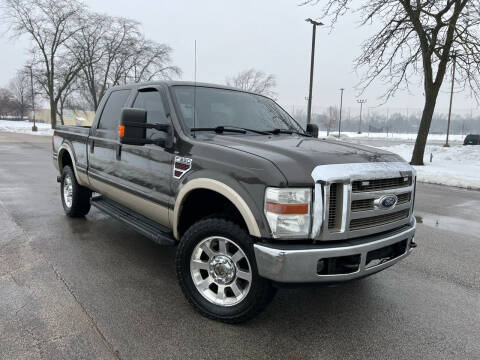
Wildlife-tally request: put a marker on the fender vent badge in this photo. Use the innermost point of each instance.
(181, 166)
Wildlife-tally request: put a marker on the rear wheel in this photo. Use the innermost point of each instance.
(75, 198)
(217, 271)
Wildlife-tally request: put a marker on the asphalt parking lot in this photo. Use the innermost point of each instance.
(93, 289)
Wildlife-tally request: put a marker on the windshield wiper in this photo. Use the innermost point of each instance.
(285, 131)
(231, 128)
(219, 129)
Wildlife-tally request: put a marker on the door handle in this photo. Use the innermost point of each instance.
(92, 145)
(119, 152)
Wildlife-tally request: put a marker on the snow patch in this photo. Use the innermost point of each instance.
(25, 127)
(454, 166)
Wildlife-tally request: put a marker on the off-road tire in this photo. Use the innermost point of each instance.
(261, 291)
(80, 199)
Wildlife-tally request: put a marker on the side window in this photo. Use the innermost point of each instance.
(112, 111)
(151, 101)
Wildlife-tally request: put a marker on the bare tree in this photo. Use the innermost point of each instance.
(51, 25)
(103, 46)
(149, 61)
(255, 81)
(21, 91)
(416, 37)
(114, 52)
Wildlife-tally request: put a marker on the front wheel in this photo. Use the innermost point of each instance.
(217, 272)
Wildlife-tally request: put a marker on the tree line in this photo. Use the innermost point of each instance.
(78, 54)
(387, 121)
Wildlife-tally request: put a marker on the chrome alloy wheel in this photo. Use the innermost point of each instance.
(220, 271)
(67, 191)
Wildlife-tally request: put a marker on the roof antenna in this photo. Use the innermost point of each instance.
(195, 90)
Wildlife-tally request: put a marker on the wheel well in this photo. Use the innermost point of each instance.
(65, 159)
(202, 203)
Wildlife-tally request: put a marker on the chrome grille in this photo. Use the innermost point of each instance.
(373, 221)
(352, 201)
(381, 184)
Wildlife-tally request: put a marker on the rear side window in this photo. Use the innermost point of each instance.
(151, 101)
(112, 111)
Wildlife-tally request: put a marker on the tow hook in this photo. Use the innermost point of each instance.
(59, 178)
(413, 244)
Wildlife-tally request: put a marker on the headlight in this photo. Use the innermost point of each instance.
(288, 212)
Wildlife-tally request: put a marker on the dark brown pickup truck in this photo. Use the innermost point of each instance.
(251, 199)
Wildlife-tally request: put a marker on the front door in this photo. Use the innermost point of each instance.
(147, 169)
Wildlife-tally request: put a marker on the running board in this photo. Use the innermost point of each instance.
(156, 232)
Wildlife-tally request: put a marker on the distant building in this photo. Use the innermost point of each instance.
(70, 117)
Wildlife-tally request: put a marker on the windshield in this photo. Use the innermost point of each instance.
(223, 107)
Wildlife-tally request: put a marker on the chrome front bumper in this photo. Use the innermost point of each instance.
(298, 263)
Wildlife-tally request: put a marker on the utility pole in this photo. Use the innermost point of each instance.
(312, 61)
(451, 99)
(34, 127)
(361, 102)
(341, 106)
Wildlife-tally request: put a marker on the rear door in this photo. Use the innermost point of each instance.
(104, 147)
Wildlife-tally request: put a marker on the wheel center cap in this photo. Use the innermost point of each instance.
(222, 269)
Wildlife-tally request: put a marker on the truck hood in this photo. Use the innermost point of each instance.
(297, 156)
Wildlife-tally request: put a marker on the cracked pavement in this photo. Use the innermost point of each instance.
(40, 315)
(94, 289)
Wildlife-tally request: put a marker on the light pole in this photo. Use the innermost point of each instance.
(451, 99)
(341, 106)
(315, 24)
(361, 102)
(34, 127)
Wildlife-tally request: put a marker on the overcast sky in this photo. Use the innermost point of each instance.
(269, 35)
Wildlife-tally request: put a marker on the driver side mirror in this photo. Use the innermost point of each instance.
(133, 129)
(312, 130)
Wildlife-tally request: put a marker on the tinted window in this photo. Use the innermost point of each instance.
(110, 118)
(217, 107)
(152, 102)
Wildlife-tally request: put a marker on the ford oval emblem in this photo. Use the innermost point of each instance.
(388, 201)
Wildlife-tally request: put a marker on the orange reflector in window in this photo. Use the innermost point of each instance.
(121, 130)
(297, 209)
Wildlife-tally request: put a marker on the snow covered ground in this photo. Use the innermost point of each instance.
(454, 166)
(25, 127)
(371, 135)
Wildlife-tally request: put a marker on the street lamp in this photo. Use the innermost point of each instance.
(341, 106)
(315, 24)
(34, 127)
(361, 102)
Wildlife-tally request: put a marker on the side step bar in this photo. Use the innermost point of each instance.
(156, 232)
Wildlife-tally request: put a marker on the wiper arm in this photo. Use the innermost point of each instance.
(220, 129)
(285, 131)
(261, 132)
